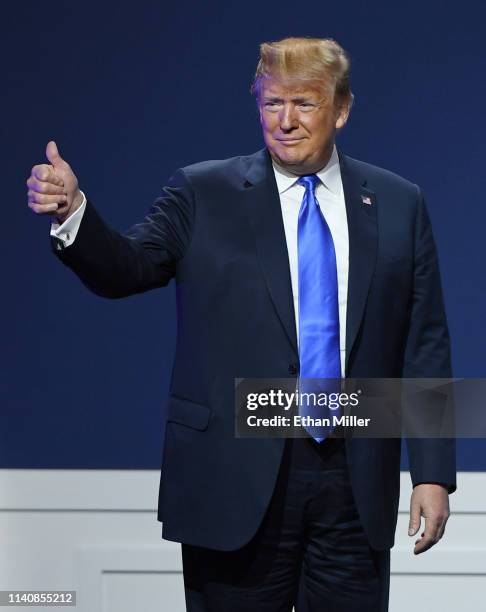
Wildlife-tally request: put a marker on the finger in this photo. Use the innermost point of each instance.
(442, 527)
(415, 518)
(423, 544)
(430, 536)
(45, 172)
(432, 527)
(435, 525)
(53, 155)
(44, 186)
(41, 209)
(33, 197)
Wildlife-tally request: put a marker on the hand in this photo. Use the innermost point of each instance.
(53, 187)
(432, 502)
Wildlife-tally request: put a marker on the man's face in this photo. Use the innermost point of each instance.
(299, 124)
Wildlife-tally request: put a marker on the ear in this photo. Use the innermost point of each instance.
(260, 112)
(343, 112)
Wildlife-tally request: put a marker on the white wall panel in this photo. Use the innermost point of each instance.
(96, 532)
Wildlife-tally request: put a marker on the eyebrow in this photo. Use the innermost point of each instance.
(297, 99)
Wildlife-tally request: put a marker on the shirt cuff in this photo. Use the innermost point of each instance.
(67, 231)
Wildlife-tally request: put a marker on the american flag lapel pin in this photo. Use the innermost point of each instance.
(366, 200)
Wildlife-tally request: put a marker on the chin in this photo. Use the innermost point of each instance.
(290, 159)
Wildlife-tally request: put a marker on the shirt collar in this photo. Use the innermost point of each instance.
(330, 175)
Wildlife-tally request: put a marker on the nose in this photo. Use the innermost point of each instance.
(288, 118)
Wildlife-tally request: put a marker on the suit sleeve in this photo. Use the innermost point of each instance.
(427, 353)
(115, 265)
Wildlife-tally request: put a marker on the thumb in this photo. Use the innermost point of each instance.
(415, 519)
(52, 154)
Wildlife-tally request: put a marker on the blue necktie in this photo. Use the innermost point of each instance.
(318, 307)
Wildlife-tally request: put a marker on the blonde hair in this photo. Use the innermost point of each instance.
(317, 61)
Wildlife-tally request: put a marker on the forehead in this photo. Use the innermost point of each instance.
(272, 88)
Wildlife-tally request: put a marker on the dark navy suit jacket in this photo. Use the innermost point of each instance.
(217, 229)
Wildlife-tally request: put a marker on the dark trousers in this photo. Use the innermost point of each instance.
(310, 551)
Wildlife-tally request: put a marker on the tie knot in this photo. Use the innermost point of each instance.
(309, 181)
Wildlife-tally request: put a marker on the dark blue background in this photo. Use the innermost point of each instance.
(130, 92)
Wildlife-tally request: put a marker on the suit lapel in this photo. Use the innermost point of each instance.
(262, 204)
(363, 243)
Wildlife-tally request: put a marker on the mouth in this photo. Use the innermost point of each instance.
(289, 141)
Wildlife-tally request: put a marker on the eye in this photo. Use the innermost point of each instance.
(307, 106)
(272, 105)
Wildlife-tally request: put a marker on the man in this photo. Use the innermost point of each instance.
(243, 239)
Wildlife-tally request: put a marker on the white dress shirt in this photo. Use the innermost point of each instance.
(330, 195)
(68, 230)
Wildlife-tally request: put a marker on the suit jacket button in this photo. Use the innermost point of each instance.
(293, 369)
